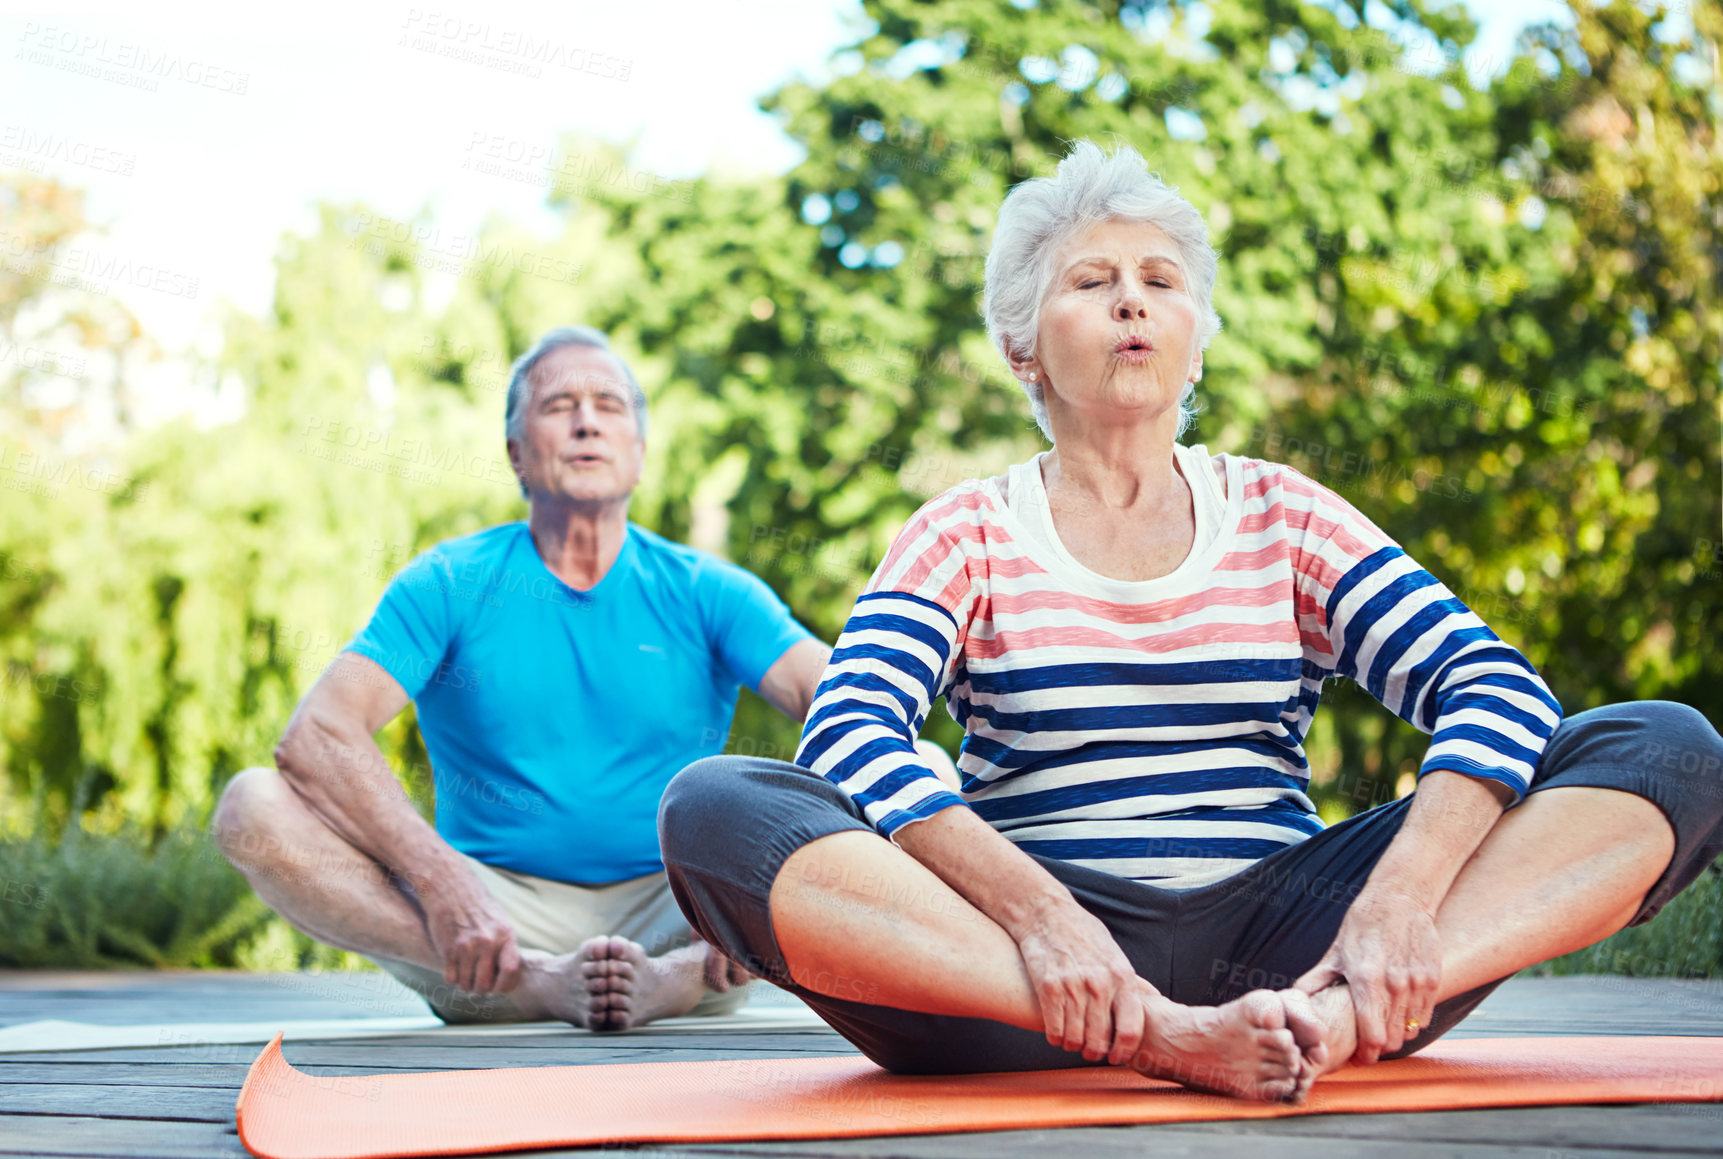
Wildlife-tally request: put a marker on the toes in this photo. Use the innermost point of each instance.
(1301, 1019)
(1307, 1028)
(1263, 1008)
(610, 1012)
(593, 950)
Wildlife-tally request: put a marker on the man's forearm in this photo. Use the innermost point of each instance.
(345, 780)
(1450, 816)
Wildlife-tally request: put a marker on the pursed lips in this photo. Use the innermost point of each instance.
(1133, 348)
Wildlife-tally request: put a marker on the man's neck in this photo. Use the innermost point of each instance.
(578, 542)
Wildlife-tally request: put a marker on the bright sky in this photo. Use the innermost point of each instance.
(203, 134)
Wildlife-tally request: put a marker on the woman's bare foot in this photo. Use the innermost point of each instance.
(630, 989)
(1310, 1032)
(1333, 1009)
(1244, 1048)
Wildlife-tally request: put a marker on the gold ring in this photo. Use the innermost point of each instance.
(1412, 1025)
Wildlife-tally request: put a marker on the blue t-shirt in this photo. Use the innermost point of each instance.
(554, 718)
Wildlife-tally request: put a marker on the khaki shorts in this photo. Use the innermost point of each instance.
(557, 917)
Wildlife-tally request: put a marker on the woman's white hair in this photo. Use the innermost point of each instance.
(1039, 215)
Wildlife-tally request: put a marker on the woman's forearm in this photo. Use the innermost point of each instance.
(1450, 816)
(994, 875)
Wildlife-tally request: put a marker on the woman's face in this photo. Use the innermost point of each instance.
(1118, 325)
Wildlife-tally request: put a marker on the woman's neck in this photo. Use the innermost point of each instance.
(1118, 466)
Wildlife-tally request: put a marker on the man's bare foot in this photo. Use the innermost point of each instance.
(630, 989)
(1244, 1048)
(555, 986)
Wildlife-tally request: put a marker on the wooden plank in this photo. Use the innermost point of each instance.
(164, 1104)
(1649, 1126)
(830, 1042)
(131, 1139)
(168, 1074)
(429, 1057)
(1103, 1143)
(99, 1068)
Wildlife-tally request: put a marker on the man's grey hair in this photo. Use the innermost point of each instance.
(1041, 214)
(520, 390)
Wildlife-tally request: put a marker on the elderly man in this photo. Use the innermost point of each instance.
(563, 669)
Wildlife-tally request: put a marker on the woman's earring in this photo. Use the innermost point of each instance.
(1031, 376)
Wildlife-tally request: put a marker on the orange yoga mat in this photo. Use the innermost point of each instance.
(287, 1114)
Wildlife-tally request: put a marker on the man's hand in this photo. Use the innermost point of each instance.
(1390, 956)
(1084, 983)
(475, 939)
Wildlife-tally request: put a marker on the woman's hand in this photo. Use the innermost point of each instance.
(1390, 956)
(1083, 982)
(1087, 996)
(1388, 950)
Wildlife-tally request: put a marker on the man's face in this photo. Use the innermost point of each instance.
(580, 438)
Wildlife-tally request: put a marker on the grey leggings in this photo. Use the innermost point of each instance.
(728, 824)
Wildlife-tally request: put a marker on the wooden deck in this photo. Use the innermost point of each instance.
(175, 1100)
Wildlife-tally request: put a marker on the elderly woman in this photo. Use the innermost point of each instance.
(1135, 635)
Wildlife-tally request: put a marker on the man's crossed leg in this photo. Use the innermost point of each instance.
(480, 944)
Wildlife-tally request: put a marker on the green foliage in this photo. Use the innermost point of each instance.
(90, 901)
(1488, 318)
(94, 900)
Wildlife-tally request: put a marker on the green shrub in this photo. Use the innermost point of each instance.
(93, 900)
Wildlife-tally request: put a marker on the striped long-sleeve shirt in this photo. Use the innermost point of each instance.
(1157, 737)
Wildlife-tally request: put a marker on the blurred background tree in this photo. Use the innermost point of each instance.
(1489, 317)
